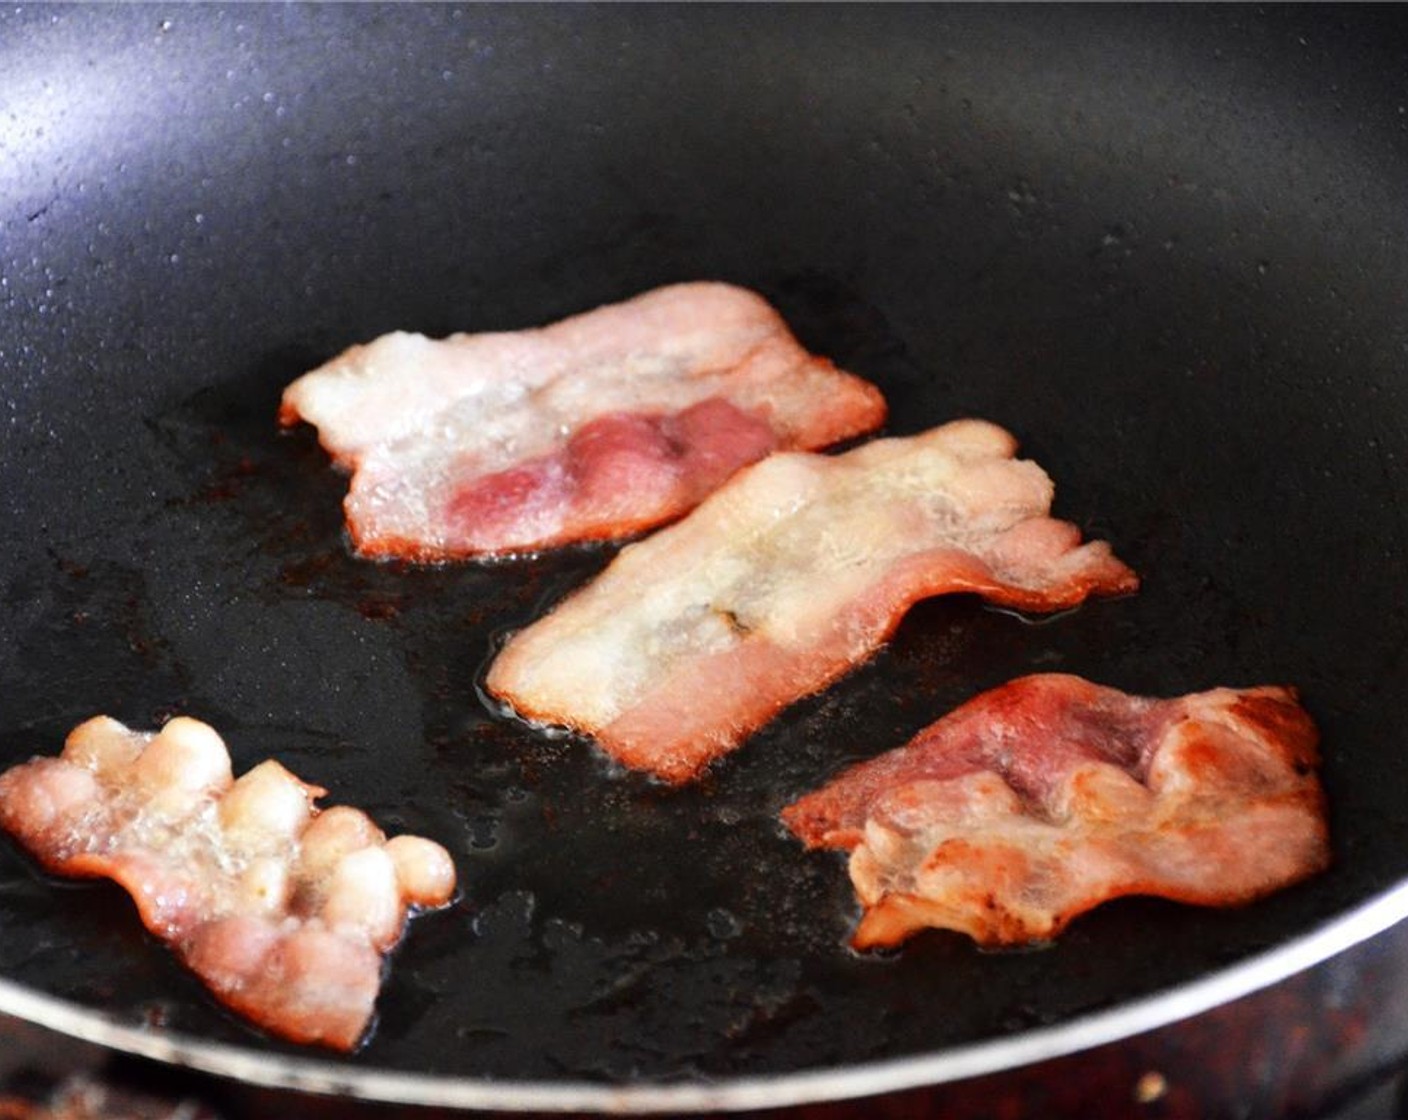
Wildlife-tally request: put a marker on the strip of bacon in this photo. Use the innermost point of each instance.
(787, 577)
(596, 427)
(1043, 798)
(282, 910)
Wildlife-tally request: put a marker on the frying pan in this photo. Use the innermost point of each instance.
(1165, 246)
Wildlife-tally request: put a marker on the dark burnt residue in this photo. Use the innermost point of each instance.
(380, 608)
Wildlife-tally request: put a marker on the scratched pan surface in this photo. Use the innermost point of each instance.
(1166, 247)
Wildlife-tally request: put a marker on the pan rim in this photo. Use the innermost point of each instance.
(311, 1075)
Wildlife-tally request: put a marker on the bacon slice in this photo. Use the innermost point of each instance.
(787, 577)
(283, 911)
(1043, 798)
(599, 426)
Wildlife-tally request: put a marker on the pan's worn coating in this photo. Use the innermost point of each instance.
(1165, 247)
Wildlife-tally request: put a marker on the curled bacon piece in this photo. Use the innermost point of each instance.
(1043, 798)
(282, 910)
(599, 426)
(790, 575)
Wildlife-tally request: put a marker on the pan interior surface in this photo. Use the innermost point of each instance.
(1165, 247)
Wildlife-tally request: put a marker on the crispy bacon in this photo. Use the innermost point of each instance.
(282, 910)
(1043, 798)
(599, 426)
(790, 575)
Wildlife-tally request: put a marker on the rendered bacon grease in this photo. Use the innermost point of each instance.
(597, 427)
(1043, 798)
(784, 579)
(282, 910)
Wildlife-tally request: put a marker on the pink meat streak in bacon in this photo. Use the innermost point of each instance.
(787, 577)
(283, 911)
(597, 427)
(1049, 795)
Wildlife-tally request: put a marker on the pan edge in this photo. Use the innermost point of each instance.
(782, 1091)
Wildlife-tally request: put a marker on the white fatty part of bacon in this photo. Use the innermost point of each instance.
(416, 416)
(780, 554)
(233, 873)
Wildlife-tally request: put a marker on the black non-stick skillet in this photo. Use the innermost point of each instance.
(1167, 247)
